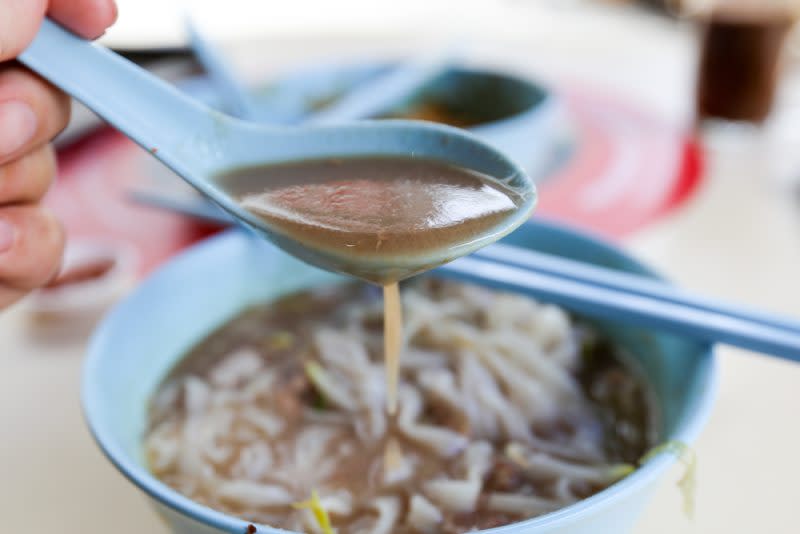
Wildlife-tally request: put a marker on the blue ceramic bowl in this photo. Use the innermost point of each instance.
(145, 335)
(520, 117)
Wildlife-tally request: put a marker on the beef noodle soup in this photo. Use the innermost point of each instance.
(507, 409)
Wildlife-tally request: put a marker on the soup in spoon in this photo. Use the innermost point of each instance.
(379, 218)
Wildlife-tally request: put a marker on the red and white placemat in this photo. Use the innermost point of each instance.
(629, 167)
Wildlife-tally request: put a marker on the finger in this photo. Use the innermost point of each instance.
(89, 18)
(31, 112)
(27, 179)
(19, 21)
(31, 244)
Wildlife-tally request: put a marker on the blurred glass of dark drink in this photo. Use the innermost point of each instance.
(740, 59)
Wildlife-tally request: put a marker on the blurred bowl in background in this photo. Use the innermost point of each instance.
(520, 117)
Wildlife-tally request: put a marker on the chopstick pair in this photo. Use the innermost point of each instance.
(607, 294)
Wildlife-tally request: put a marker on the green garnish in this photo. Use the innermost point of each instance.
(320, 514)
(688, 458)
(281, 340)
(686, 483)
(317, 376)
(620, 471)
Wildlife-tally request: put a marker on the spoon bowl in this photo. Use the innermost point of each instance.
(199, 143)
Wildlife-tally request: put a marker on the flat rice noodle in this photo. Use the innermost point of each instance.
(338, 503)
(249, 493)
(423, 516)
(210, 432)
(459, 496)
(477, 459)
(509, 310)
(326, 417)
(162, 453)
(419, 359)
(236, 368)
(397, 466)
(482, 420)
(332, 388)
(486, 391)
(311, 448)
(440, 384)
(388, 509)
(218, 454)
(254, 461)
(196, 395)
(261, 385)
(553, 374)
(542, 464)
(409, 404)
(422, 312)
(268, 423)
(373, 400)
(442, 441)
(474, 295)
(190, 458)
(524, 505)
(340, 351)
(309, 522)
(163, 404)
(563, 489)
(525, 389)
(552, 327)
(458, 334)
(419, 311)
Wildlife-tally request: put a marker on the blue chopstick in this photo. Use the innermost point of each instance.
(363, 101)
(629, 283)
(611, 303)
(234, 95)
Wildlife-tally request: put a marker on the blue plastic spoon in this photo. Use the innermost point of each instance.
(199, 143)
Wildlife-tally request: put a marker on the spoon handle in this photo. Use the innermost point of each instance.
(177, 130)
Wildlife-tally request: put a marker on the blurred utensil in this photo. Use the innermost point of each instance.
(610, 295)
(237, 99)
(366, 100)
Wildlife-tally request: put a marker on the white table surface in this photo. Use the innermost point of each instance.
(738, 238)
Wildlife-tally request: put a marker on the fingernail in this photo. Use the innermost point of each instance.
(17, 125)
(7, 235)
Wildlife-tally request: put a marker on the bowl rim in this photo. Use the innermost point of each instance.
(686, 430)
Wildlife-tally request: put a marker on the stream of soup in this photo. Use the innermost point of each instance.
(380, 207)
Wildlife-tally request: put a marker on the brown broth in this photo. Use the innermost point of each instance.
(376, 207)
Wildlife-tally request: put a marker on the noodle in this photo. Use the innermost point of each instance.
(505, 409)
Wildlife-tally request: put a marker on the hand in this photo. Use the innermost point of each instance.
(32, 112)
